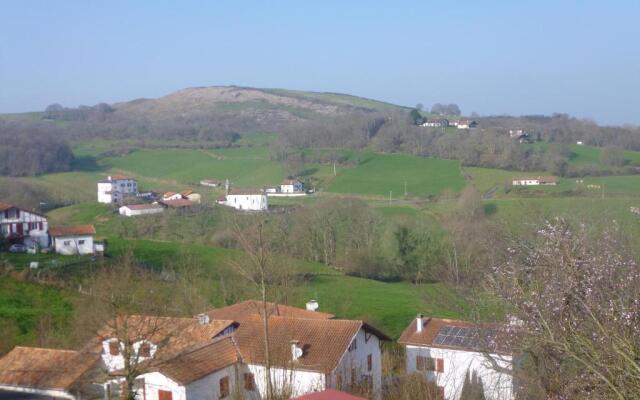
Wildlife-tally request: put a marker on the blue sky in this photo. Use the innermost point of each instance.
(515, 57)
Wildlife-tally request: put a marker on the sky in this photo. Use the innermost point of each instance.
(490, 57)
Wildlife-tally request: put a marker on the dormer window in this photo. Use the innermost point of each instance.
(144, 350)
(114, 348)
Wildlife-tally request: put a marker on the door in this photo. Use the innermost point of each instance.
(19, 229)
(165, 395)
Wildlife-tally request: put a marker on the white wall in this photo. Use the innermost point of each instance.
(68, 245)
(126, 211)
(252, 202)
(113, 363)
(154, 381)
(497, 385)
(357, 359)
(9, 221)
(113, 191)
(298, 381)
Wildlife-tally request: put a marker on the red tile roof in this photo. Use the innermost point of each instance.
(178, 203)
(44, 368)
(200, 361)
(72, 230)
(118, 177)
(329, 394)
(248, 308)
(7, 206)
(323, 341)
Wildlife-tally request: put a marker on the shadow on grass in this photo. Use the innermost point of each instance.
(86, 164)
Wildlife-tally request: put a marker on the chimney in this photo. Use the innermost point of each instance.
(312, 305)
(296, 351)
(419, 323)
(203, 319)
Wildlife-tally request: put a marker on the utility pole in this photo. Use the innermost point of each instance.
(334, 169)
(390, 193)
(405, 188)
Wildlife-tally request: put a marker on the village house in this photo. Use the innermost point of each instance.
(534, 181)
(466, 124)
(210, 357)
(184, 195)
(23, 226)
(115, 188)
(75, 239)
(291, 186)
(446, 351)
(177, 204)
(140, 209)
(436, 123)
(246, 200)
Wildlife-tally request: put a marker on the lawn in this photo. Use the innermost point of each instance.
(380, 174)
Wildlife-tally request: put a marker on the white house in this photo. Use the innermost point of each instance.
(534, 181)
(248, 200)
(291, 186)
(140, 209)
(19, 224)
(75, 239)
(436, 123)
(466, 124)
(447, 351)
(115, 188)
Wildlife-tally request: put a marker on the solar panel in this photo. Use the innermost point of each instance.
(463, 337)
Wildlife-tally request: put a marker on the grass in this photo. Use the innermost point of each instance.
(380, 174)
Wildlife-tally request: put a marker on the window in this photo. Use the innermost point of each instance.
(67, 243)
(249, 383)
(369, 363)
(439, 365)
(224, 387)
(354, 345)
(114, 348)
(425, 363)
(339, 381)
(80, 242)
(144, 350)
(165, 395)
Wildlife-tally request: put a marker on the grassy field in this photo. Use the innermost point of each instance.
(380, 174)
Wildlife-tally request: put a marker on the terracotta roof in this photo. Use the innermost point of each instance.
(329, 394)
(244, 192)
(186, 193)
(244, 309)
(172, 334)
(178, 203)
(432, 326)
(44, 368)
(200, 361)
(72, 230)
(143, 206)
(323, 341)
(7, 206)
(118, 177)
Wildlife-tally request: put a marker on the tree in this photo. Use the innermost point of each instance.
(612, 156)
(416, 116)
(266, 274)
(574, 291)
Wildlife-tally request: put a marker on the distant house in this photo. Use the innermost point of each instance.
(446, 351)
(436, 123)
(466, 124)
(580, 143)
(171, 196)
(248, 200)
(517, 133)
(291, 186)
(23, 226)
(75, 239)
(115, 188)
(210, 183)
(177, 203)
(140, 209)
(535, 181)
(186, 195)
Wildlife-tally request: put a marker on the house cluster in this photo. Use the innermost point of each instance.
(258, 199)
(221, 354)
(27, 230)
(288, 188)
(535, 181)
(445, 123)
(519, 134)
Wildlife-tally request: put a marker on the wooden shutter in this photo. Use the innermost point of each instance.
(224, 387)
(144, 350)
(165, 395)
(439, 365)
(114, 348)
(248, 381)
(369, 363)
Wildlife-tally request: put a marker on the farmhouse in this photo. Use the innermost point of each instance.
(466, 124)
(534, 181)
(171, 196)
(21, 225)
(178, 204)
(248, 200)
(75, 239)
(115, 188)
(447, 351)
(291, 186)
(184, 195)
(140, 209)
(436, 123)
(205, 358)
